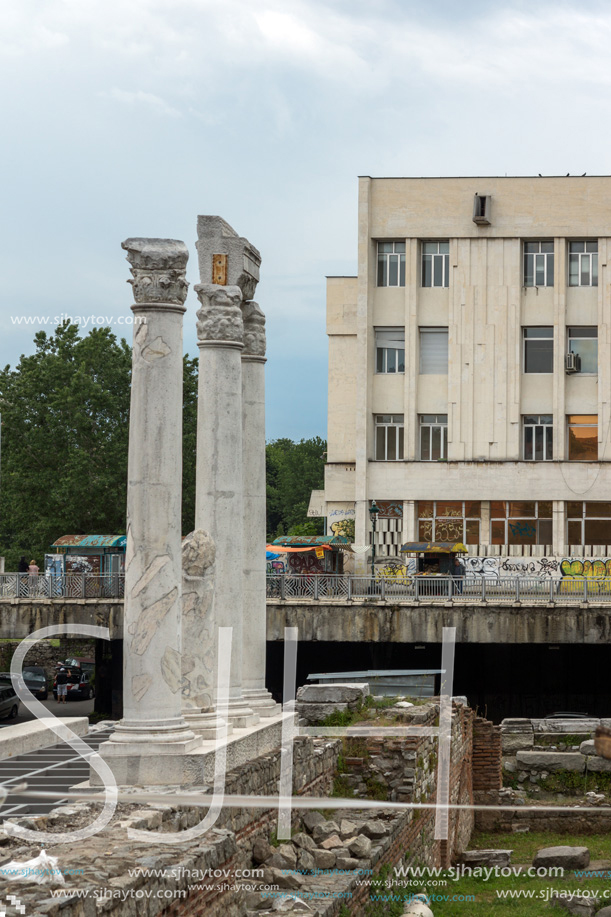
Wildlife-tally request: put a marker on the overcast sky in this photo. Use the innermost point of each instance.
(130, 117)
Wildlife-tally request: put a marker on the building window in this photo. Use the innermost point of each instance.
(538, 264)
(538, 437)
(521, 522)
(584, 341)
(454, 520)
(389, 437)
(390, 350)
(583, 437)
(391, 264)
(433, 437)
(588, 523)
(434, 351)
(583, 264)
(435, 264)
(538, 350)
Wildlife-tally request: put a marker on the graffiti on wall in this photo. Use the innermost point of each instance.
(487, 567)
(585, 569)
(395, 568)
(305, 563)
(390, 509)
(340, 521)
(530, 566)
(344, 528)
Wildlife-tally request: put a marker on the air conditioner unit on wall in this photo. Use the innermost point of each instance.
(572, 363)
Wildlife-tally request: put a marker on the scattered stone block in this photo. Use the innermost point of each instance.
(311, 818)
(360, 847)
(332, 694)
(487, 857)
(305, 861)
(598, 765)
(324, 830)
(286, 879)
(346, 863)
(552, 761)
(331, 843)
(304, 840)
(347, 828)
(574, 904)
(587, 747)
(283, 857)
(261, 850)
(324, 859)
(375, 829)
(567, 857)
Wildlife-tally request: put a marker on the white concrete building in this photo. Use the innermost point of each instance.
(470, 367)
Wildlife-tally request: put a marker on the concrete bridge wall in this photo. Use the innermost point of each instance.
(20, 617)
(354, 622)
(351, 622)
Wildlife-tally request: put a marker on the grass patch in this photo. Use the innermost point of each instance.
(478, 897)
(341, 788)
(572, 784)
(364, 710)
(525, 845)
(563, 739)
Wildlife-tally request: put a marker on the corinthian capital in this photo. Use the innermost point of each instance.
(254, 329)
(220, 315)
(158, 268)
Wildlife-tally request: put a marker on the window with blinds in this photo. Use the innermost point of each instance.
(390, 350)
(434, 351)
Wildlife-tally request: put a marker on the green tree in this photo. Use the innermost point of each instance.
(294, 470)
(65, 425)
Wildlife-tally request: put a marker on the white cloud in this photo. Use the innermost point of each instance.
(153, 102)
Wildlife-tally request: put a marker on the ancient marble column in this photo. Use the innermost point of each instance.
(153, 726)
(218, 501)
(254, 488)
(199, 665)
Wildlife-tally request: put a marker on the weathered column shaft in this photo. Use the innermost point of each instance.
(218, 503)
(254, 487)
(153, 723)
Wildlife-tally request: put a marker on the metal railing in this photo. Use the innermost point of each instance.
(62, 585)
(470, 588)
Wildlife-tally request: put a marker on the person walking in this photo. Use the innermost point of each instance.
(62, 686)
(457, 571)
(33, 570)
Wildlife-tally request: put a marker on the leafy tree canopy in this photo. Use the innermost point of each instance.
(294, 470)
(65, 422)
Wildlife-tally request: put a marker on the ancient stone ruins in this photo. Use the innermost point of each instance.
(178, 595)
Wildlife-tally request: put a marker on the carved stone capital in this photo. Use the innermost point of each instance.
(220, 315)
(158, 268)
(254, 329)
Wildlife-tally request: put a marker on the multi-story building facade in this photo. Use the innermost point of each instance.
(470, 367)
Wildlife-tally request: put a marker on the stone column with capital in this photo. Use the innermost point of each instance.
(218, 500)
(254, 487)
(153, 727)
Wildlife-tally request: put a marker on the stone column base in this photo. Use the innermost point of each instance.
(240, 714)
(206, 724)
(262, 702)
(151, 738)
(195, 768)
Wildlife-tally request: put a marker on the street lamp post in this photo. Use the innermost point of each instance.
(373, 514)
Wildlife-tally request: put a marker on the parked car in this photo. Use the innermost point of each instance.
(79, 685)
(35, 679)
(9, 702)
